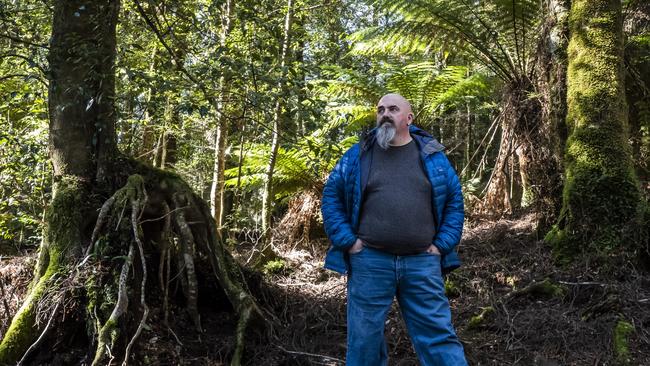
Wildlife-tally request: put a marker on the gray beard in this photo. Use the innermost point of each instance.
(385, 134)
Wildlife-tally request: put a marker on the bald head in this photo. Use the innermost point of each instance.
(395, 99)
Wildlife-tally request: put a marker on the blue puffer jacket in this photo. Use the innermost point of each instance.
(344, 188)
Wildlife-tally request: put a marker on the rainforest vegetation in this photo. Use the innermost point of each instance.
(162, 165)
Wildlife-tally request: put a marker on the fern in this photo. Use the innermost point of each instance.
(352, 97)
(500, 34)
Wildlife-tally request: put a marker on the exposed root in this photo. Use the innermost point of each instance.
(137, 234)
(187, 223)
(101, 220)
(187, 250)
(135, 193)
(108, 331)
(163, 264)
(240, 297)
(178, 226)
(244, 318)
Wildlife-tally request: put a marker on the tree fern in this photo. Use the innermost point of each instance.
(303, 166)
(432, 91)
(500, 34)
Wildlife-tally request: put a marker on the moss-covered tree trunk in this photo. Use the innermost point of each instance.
(637, 83)
(109, 217)
(81, 146)
(601, 200)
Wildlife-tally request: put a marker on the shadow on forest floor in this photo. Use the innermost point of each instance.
(511, 306)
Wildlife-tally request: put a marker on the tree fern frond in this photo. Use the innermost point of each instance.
(499, 33)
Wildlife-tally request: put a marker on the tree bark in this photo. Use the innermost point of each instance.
(146, 150)
(637, 82)
(551, 69)
(601, 200)
(468, 142)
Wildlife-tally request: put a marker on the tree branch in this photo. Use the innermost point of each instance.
(29, 61)
(175, 58)
(23, 41)
(26, 76)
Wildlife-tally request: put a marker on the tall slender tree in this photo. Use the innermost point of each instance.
(221, 133)
(280, 105)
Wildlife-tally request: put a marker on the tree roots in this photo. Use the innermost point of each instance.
(155, 214)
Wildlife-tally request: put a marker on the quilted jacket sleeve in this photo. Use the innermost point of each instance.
(453, 214)
(333, 207)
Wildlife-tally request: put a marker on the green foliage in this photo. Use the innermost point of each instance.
(431, 90)
(499, 34)
(451, 288)
(24, 168)
(302, 166)
(621, 335)
(479, 320)
(168, 93)
(276, 266)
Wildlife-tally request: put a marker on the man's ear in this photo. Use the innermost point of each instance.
(409, 118)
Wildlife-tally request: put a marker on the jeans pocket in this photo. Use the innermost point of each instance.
(428, 254)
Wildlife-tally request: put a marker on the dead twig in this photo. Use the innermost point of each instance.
(310, 354)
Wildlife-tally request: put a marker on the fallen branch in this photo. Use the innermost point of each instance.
(582, 283)
(310, 354)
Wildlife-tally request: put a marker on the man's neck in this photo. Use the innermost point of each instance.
(401, 140)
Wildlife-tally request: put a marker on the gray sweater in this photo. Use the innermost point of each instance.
(396, 213)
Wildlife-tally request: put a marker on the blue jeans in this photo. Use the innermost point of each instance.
(374, 279)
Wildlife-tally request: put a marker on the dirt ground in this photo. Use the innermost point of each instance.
(511, 306)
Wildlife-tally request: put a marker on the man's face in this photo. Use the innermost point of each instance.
(395, 110)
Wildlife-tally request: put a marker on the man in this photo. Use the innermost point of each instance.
(393, 211)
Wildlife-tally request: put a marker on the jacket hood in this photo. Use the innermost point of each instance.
(427, 143)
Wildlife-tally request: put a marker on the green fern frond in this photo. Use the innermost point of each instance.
(500, 34)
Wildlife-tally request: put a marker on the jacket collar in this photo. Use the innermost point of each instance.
(427, 143)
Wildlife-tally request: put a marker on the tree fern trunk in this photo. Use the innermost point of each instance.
(550, 80)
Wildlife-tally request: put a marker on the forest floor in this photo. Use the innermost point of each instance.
(511, 306)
